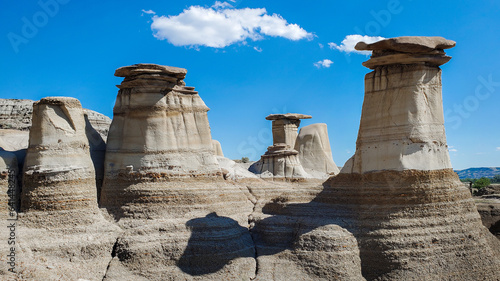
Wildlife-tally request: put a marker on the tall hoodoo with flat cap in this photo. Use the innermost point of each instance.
(413, 218)
(281, 160)
(160, 129)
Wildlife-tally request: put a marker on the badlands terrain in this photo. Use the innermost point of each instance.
(149, 194)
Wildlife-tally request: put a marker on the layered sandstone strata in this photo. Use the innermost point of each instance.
(9, 191)
(411, 216)
(58, 171)
(315, 153)
(60, 224)
(281, 161)
(164, 187)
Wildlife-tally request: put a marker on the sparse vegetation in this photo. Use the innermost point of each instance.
(496, 179)
(481, 183)
(244, 160)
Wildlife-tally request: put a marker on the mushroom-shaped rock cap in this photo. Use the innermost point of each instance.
(292, 116)
(408, 44)
(66, 101)
(407, 50)
(150, 68)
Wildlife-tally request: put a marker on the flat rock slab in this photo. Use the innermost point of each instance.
(408, 44)
(148, 68)
(293, 116)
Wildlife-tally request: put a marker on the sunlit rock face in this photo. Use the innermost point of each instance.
(281, 161)
(164, 187)
(160, 129)
(412, 217)
(402, 123)
(58, 171)
(315, 153)
(217, 148)
(60, 223)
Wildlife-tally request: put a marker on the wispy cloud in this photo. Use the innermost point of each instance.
(222, 25)
(257, 49)
(452, 149)
(221, 5)
(323, 63)
(498, 148)
(149, 12)
(347, 45)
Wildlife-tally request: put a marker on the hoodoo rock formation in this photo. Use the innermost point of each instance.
(315, 153)
(164, 187)
(172, 209)
(60, 222)
(281, 160)
(412, 217)
(58, 171)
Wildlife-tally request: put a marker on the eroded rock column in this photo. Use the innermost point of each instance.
(164, 187)
(281, 160)
(60, 225)
(58, 171)
(413, 219)
(315, 153)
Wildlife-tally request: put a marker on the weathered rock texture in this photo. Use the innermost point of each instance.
(15, 123)
(15, 114)
(60, 224)
(96, 130)
(315, 153)
(217, 148)
(9, 191)
(297, 238)
(58, 171)
(488, 207)
(411, 216)
(281, 161)
(164, 187)
(410, 135)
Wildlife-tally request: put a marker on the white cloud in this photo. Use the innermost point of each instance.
(320, 45)
(452, 149)
(323, 63)
(347, 45)
(257, 49)
(221, 5)
(149, 12)
(221, 25)
(498, 148)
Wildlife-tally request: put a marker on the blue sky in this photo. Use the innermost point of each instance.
(260, 57)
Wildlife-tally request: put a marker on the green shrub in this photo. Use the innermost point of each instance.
(244, 160)
(481, 183)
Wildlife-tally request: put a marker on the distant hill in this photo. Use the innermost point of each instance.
(475, 173)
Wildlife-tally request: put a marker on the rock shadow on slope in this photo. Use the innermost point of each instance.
(215, 241)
